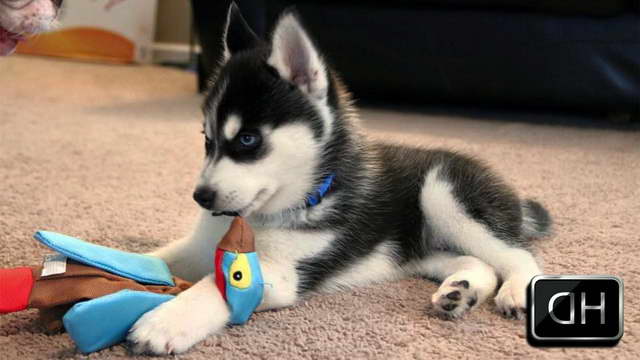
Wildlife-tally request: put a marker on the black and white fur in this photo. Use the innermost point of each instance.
(392, 211)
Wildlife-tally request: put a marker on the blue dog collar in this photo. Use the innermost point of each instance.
(315, 198)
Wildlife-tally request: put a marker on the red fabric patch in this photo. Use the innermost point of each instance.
(15, 289)
(221, 282)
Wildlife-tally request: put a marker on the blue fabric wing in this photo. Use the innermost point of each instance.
(99, 323)
(144, 269)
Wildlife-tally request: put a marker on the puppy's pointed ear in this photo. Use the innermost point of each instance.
(296, 59)
(238, 36)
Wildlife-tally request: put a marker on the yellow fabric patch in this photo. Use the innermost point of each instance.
(240, 272)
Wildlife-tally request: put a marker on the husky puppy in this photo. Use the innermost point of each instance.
(20, 18)
(330, 209)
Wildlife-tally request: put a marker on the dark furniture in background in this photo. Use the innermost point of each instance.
(556, 54)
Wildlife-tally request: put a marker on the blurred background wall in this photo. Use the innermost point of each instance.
(173, 22)
(173, 32)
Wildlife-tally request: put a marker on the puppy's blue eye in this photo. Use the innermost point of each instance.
(249, 140)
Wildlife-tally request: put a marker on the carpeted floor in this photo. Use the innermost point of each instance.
(111, 153)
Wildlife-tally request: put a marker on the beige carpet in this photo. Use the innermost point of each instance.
(111, 153)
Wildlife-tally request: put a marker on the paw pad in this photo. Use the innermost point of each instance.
(461, 283)
(454, 295)
(454, 299)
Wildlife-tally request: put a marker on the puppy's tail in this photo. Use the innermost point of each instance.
(536, 221)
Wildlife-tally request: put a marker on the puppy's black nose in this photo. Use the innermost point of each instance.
(205, 196)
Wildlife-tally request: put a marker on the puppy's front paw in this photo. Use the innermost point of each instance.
(178, 324)
(164, 330)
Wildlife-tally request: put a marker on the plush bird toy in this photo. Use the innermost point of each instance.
(102, 292)
(238, 274)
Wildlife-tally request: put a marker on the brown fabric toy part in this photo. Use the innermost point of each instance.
(53, 295)
(239, 237)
